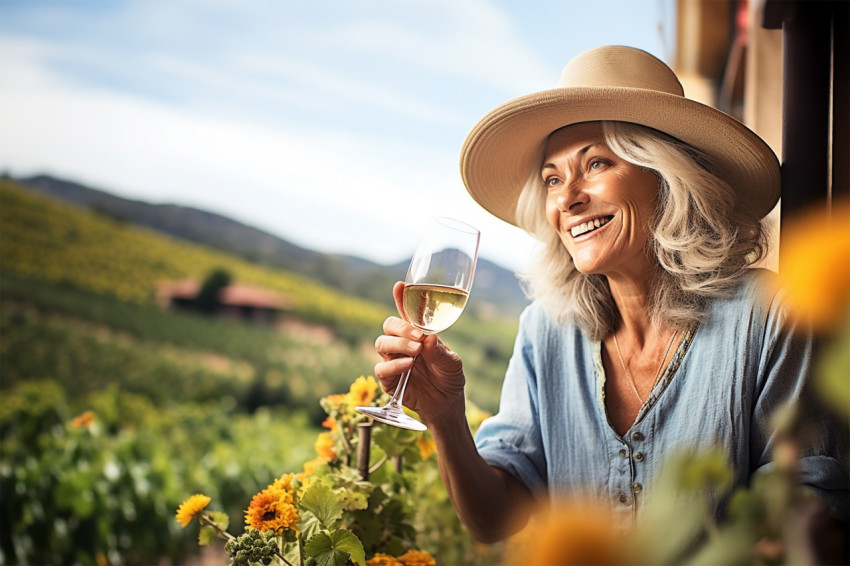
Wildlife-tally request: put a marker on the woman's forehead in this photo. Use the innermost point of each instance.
(575, 138)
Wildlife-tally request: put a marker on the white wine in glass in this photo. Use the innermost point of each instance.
(435, 293)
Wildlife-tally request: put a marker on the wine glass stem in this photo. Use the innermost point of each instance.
(398, 394)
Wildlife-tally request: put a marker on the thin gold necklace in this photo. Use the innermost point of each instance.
(657, 373)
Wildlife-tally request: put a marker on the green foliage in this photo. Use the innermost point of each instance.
(105, 487)
(335, 549)
(832, 371)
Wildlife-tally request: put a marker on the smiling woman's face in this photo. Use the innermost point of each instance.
(599, 204)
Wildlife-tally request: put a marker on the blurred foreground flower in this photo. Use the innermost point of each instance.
(569, 533)
(816, 276)
(816, 266)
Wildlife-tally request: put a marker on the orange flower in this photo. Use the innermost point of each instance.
(274, 507)
(330, 424)
(362, 391)
(191, 507)
(325, 446)
(815, 269)
(84, 420)
(417, 558)
(383, 560)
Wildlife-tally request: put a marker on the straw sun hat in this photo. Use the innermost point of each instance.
(611, 83)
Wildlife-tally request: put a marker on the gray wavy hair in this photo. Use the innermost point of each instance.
(703, 242)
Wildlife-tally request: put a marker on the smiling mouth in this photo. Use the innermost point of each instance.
(589, 226)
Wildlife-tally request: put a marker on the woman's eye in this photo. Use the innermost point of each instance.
(597, 164)
(551, 182)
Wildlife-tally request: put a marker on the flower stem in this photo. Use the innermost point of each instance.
(221, 533)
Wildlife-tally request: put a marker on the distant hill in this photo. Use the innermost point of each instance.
(496, 289)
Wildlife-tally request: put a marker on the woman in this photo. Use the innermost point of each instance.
(649, 333)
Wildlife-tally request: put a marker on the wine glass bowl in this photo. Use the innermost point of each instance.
(436, 290)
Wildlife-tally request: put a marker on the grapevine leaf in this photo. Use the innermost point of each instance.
(206, 536)
(308, 524)
(324, 504)
(335, 549)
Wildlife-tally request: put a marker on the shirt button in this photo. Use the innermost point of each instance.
(639, 456)
(638, 436)
(624, 453)
(637, 488)
(625, 499)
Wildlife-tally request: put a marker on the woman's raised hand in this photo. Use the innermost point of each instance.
(437, 382)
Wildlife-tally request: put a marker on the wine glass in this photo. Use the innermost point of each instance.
(435, 292)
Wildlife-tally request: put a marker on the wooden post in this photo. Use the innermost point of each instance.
(364, 445)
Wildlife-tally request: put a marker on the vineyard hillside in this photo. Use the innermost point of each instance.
(80, 264)
(496, 290)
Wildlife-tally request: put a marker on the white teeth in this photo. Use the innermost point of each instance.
(588, 226)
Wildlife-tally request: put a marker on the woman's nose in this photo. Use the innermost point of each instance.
(570, 197)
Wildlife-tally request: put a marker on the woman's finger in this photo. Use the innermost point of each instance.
(395, 326)
(390, 347)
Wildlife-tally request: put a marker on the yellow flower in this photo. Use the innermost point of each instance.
(191, 507)
(311, 465)
(815, 269)
(362, 391)
(84, 420)
(426, 446)
(417, 558)
(325, 446)
(274, 507)
(383, 560)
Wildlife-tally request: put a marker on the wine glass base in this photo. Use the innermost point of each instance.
(392, 416)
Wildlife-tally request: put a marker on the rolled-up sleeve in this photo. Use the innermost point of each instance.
(511, 439)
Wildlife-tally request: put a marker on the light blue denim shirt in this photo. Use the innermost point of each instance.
(726, 379)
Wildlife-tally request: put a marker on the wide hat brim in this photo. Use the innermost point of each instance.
(503, 150)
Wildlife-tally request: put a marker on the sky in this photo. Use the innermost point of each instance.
(335, 124)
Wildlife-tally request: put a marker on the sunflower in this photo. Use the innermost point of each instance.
(362, 391)
(273, 509)
(191, 507)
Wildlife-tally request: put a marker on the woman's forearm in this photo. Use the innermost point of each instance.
(490, 502)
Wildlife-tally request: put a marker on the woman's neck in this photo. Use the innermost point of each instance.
(633, 297)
